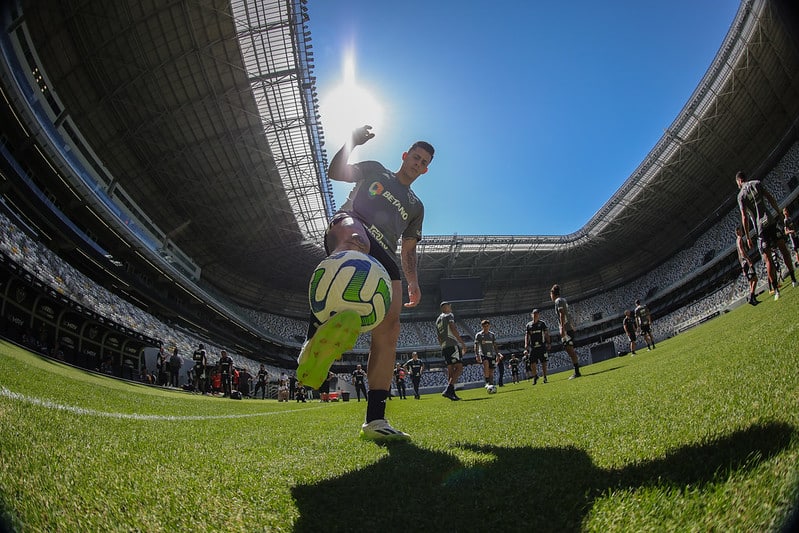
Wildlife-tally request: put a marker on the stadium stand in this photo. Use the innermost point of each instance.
(48, 146)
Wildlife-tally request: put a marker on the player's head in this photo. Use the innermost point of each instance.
(485, 324)
(426, 146)
(534, 313)
(638, 302)
(415, 355)
(626, 312)
(554, 292)
(445, 307)
(416, 160)
(740, 177)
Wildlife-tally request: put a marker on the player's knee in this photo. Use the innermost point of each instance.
(347, 234)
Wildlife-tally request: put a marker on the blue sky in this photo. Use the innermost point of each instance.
(538, 111)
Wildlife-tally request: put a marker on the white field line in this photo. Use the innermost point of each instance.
(4, 392)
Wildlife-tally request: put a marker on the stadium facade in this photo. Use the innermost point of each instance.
(174, 152)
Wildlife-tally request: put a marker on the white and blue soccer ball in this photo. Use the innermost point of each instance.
(350, 280)
(491, 389)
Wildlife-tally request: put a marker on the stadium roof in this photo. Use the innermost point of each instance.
(205, 114)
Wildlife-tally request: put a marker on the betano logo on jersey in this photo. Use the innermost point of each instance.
(376, 189)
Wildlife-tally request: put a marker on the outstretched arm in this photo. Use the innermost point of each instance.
(339, 169)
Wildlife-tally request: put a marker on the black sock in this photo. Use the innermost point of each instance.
(376, 404)
(313, 325)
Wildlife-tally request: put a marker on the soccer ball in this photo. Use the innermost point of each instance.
(492, 389)
(350, 280)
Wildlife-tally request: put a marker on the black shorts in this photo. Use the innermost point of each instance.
(492, 362)
(769, 237)
(376, 250)
(538, 354)
(646, 329)
(452, 355)
(631, 336)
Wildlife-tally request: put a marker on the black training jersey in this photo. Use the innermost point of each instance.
(415, 366)
(536, 334)
(199, 357)
(388, 209)
(358, 376)
(751, 201)
(445, 337)
(485, 344)
(642, 315)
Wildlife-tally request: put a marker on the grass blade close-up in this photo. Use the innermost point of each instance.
(699, 434)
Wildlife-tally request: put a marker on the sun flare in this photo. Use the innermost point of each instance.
(348, 106)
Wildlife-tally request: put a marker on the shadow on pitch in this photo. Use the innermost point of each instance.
(549, 489)
(611, 369)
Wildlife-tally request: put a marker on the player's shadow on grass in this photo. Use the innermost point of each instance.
(549, 489)
(611, 369)
(479, 399)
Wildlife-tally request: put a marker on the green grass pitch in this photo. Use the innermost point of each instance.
(697, 435)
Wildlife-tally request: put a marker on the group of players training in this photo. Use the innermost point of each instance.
(382, 209)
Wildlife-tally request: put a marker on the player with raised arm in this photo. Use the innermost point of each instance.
(381, 211)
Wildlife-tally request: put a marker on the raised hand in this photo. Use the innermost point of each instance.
(361, 135)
